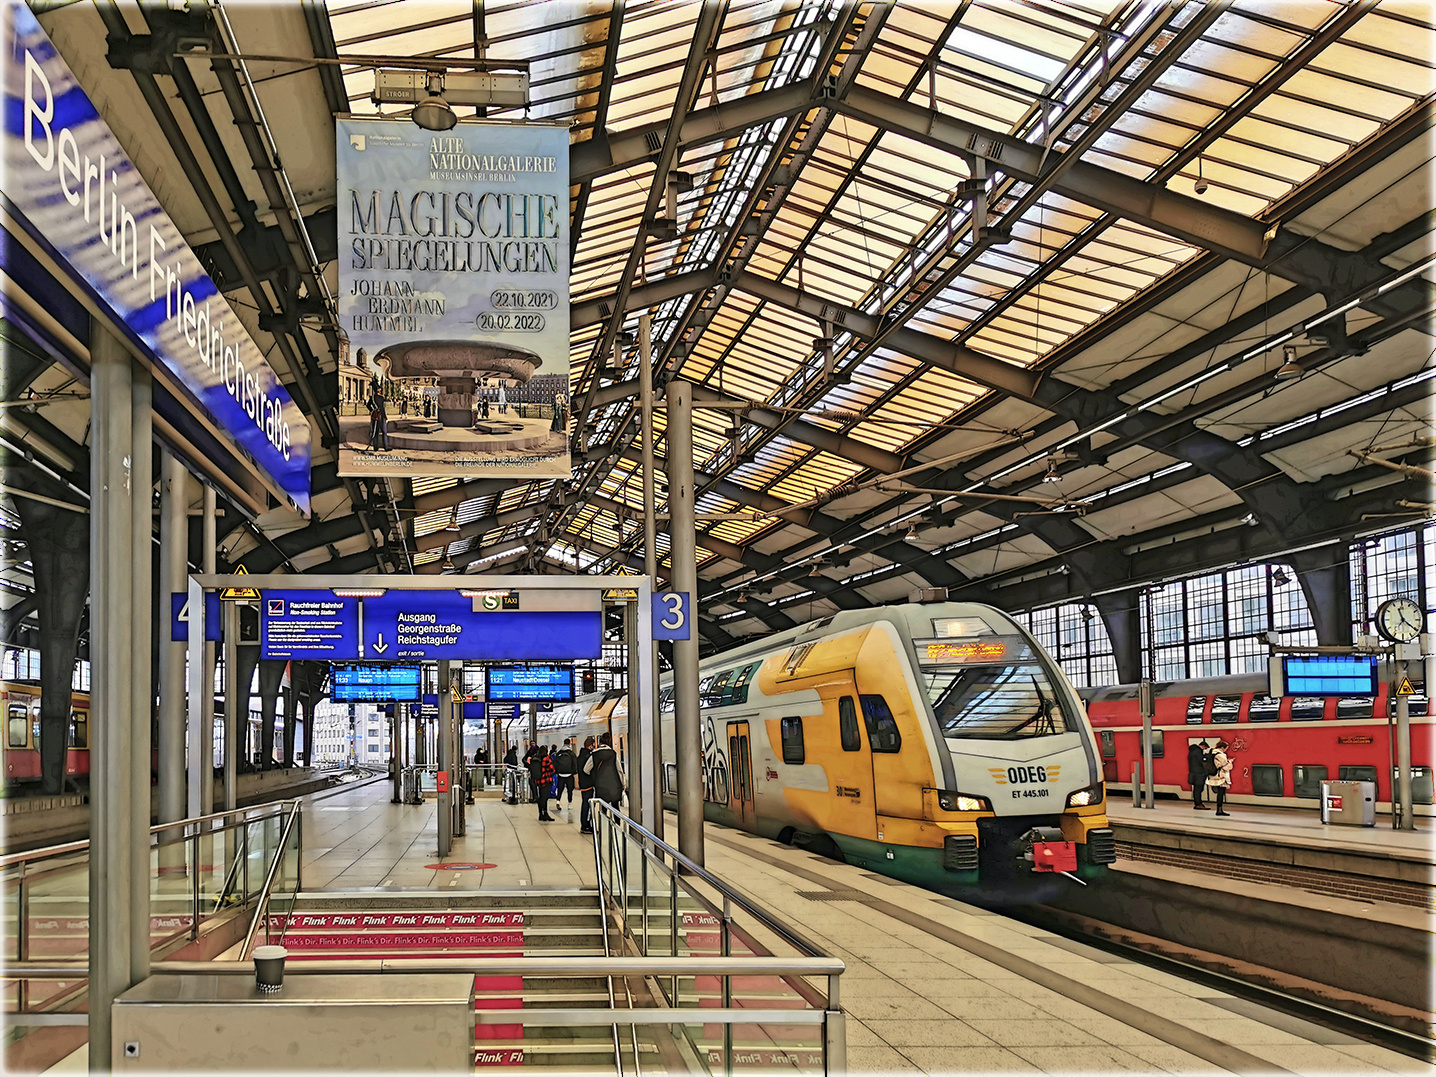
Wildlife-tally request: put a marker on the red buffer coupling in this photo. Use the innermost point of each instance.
(1049, 852)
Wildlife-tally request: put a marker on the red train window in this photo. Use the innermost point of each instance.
(1226, 708)
(15, 725)
(1307, 708)
(1263, 708)
(1196, 708)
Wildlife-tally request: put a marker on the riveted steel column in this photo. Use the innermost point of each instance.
(236, 704)
(174, 562)
(650, 561)
(111, 683)
(445, 759)
(142, 689)
(637, 720)
(1404, 795)
(201, 738)
(688, 736)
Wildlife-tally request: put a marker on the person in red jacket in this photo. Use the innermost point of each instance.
(543, 772)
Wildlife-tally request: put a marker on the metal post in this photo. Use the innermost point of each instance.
(688, 737)
(1149, 711)
(446, 724)
(654, 733)
(206, 729)
(111, 690)
(174, 558)
(1403, 752)
(195, 696)
(461, 771)
(236, 705)
(637, 799)
(396, 735)
(141, 618)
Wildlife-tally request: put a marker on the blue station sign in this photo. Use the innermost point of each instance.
(80, 198)
(408, 626)
(529, 684)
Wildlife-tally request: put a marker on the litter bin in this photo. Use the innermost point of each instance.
(1348, 803)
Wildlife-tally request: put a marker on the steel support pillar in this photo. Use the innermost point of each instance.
(287, 741)
(111, 684)
(1122, 617)
(637, 799)
(445, 760)
(1325, 577)
(174, 562)
(1404, 795)
(271, 675)
(688, 736)
(236, 704)
(210, 554)
(650, 568)
(142, 690)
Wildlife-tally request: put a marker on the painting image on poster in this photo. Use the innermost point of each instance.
(454, 300)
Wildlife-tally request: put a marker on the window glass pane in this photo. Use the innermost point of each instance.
(1355, 707)
(883, 733)
(1308, 780)
(994, 702)
(1109, 744)
(1353, 773)
(792, 735)
(1307, 708)
(1263, 708)
(1268, 780)
(1421, 784)
(848, 724)
(79, 730)
(1159, 743)
(1226, 708)
(1196, 707)
(15, 736)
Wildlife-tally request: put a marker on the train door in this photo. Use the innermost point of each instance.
(740, 771)
(851, 773)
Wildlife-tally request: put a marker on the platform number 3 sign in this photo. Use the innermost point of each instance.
(672, 611)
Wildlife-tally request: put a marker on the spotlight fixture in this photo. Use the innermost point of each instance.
(1087, 612)
(448, 563)
(453, 524)
(1052, 475)
(911, 535)
(434, 114)
(1279, 578)
(1200, 187)
(1289, 368)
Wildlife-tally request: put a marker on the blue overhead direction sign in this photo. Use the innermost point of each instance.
(308, 625)
(405, 625)
(374, 684)
(80, 199)
(1331, 675)
(529, 684)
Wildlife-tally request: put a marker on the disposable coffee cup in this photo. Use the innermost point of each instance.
(269, 968)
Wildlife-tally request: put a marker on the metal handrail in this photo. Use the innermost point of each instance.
(764, 917)
(555, 967)
(607, 953)
(261, 909)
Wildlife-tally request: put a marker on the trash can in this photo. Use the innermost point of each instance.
(1348, 803)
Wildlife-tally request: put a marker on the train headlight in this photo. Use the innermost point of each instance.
(961, 802)
(1085, 798)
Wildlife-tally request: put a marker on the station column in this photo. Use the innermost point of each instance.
(174, 562)
(688, 737)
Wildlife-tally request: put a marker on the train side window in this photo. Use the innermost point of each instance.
(1268, 780)
(1196, 708)
(1109, 744)
(15, 735)
(792, 734)
(1307, 708)
(1226, 708)
(1421, 784)
(848, 724)
(79, 729)
(1264, 708)
(883, 733)
(1159, 743)
(1356, 707)
(670, 778)
(1417, 706)
(1308, 780)
(1348, 772)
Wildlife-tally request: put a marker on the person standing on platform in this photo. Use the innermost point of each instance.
(1197, 754)
(1221, 781)
(530, 750)
(565, 764)
(585, 788)
(607, 776)
(542, 773)
(481, 760)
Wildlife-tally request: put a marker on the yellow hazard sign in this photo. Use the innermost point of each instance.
(620, 594)
(1404, 688)
(240, 594)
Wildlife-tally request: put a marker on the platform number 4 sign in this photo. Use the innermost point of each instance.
(672, 612)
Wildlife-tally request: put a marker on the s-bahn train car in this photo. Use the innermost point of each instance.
(1283, 749)
(937, 744)
(22, 734)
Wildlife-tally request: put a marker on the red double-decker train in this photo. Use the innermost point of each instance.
(22, 734)
(1283, 748)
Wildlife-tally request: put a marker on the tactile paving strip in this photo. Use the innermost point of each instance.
(833, 895)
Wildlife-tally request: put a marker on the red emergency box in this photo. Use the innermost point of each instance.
(1054, 856)
(441, 780)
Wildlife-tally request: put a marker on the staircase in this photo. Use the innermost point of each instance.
(330, 925)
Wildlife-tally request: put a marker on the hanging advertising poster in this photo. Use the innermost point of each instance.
(453, 299)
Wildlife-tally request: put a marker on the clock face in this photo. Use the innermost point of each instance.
(1400, 620)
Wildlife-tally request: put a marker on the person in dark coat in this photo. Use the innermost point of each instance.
(1197, 772)
(602, 766)
(565, 764)
(585, 788)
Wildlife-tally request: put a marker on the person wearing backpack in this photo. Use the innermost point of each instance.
(565, 764)
(607, 776)
(1198, 756)
(585, 787)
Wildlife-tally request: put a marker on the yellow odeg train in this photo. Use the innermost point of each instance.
(935, 743)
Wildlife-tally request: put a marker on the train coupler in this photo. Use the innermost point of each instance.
(1048, 851)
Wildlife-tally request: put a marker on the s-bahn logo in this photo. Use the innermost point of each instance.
(1030, 775)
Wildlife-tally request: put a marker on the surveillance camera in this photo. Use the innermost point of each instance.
(1201, 186)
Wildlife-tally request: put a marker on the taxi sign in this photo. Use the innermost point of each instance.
(621, 594)
(1405, 688)
(240, 594)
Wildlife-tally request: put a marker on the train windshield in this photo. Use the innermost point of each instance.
(989, 688)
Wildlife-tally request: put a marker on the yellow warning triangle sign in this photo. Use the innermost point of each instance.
(1404, 688)
(239, 594)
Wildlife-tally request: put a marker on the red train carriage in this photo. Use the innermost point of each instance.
(1283, 749)
(21, 745)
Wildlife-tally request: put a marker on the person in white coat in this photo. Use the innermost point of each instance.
(1221, 781)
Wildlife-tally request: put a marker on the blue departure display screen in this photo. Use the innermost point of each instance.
(528, 684)
(1330, 675)
(375, 684)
